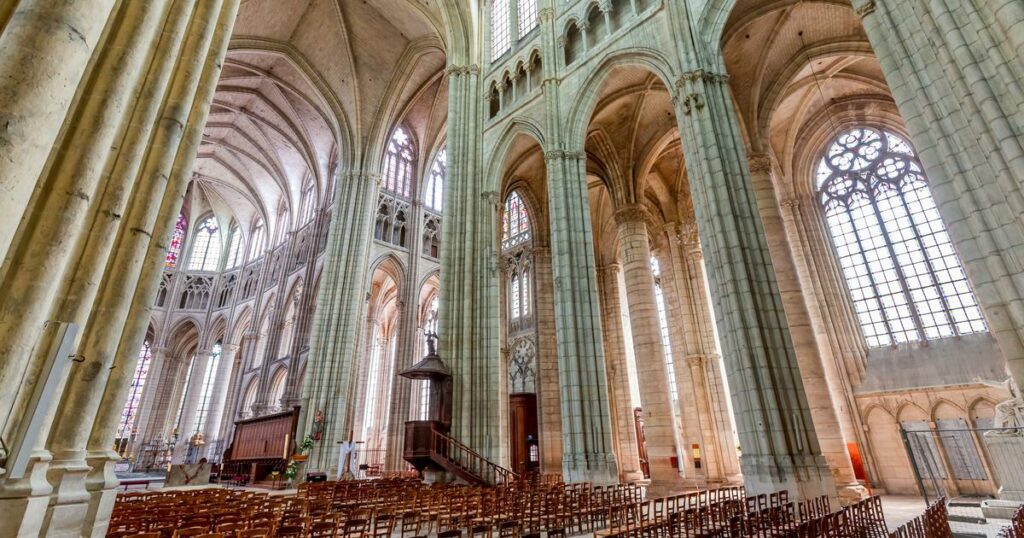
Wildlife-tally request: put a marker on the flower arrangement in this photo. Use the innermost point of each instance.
(306, 444)
(292, 470)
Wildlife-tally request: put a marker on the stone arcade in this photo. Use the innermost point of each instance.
(683, 243)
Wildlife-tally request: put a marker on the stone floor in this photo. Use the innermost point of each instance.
(900, 509)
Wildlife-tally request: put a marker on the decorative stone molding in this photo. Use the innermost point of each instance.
(546, 15)
(459, 70)
(865, 8)
(491, 197)
(562, 41)
(687, 234)
(630, 213)
(760, 163)
(556, 155)
(791, 204)
(697, 361)
(700, 75)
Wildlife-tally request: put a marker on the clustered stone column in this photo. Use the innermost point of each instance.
(121, 154)
(468, 314)
(780, 447)
(548, 397)
(620, 402)
(336, 340)
(955, 72)
(648, 349)
(819, 376)
(586, 418)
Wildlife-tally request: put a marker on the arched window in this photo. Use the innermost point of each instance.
(184, 390)
(308, 202)
(666, 345)
(234, 247)
(261, 341)
(515, 222)
(398, 164)
(206, 392)
(277, 385)
(527, 16)
(514, 296)
(903, 275)
(177, 240)
(131, 406)
(434, 194)
(259, 236)
(287, 330)
(500, 28)
(205, 247)
(250, 398)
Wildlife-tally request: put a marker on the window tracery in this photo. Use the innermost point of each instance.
(515, 223)
(528, 19)
(433, 197)
(905, 279)
(234, 247)
(398, 164)
(206, 249)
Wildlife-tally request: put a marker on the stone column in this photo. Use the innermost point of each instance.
(618, 374)
(588, 453)
(652, 373)
(694, 406)
(780, 446)
(820, 379)
(955, 73)
(222, 379)
(408, 352)
(193, 396)
(548, 397)
(371, 336)
(469, 308)
(45, 49)
(684, 274)
(338, 323)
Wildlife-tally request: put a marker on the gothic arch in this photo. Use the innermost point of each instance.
(580, 115)
(499, 154)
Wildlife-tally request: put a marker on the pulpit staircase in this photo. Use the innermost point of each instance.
(427, 443)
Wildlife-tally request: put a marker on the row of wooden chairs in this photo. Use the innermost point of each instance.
(934, 523)
(1016, 527)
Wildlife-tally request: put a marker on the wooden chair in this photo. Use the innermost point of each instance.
(411, 524)
(190, 531)
(324, 529)
(383, 526)
(454, 533)
(257, 532)
(230, 530)
(355, 528)
(509, 529)
(290, 531)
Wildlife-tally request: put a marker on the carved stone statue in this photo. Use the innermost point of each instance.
(1010, 414)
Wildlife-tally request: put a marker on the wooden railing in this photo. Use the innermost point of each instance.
(465, 459)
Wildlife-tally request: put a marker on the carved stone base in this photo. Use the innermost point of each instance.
(805, 477)
(23, 502)
(69, 501)
(102, 486)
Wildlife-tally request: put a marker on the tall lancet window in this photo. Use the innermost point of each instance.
(501, 29)
(131, 406)
(234, 247)
(177, 240)
(516, 238)
(259, 237)
(666, 345)
(433, 197)
(527, 16)
(904, 277)
(205, 254)
(398, 163)
(515, 222)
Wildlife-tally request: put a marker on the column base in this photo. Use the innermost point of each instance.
(851, 493)
(102, 486)
(804, 477)
(69, 500)
(23, 501)
(598, 469)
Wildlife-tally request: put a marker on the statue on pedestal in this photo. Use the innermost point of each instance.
(1009, 418)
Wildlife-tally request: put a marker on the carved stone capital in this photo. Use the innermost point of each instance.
(865, 8)
(630, 213)
(491, 197)
(461, 70)
(687, 235)
(697, 361)
(546, 15)
(791, 204)
(760, 163)
(556, 155)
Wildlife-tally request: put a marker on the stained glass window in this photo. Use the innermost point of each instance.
(205, 247)
(527, 16)
(398, 164)
(515, 222)
(177, 240)
(500, 31)
(666, 345)
(433, 196)
(131, 406)
(308, 203)
(514, 297)
(904, 277)
(206, 392)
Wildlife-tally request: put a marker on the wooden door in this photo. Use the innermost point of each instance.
(523, 427)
